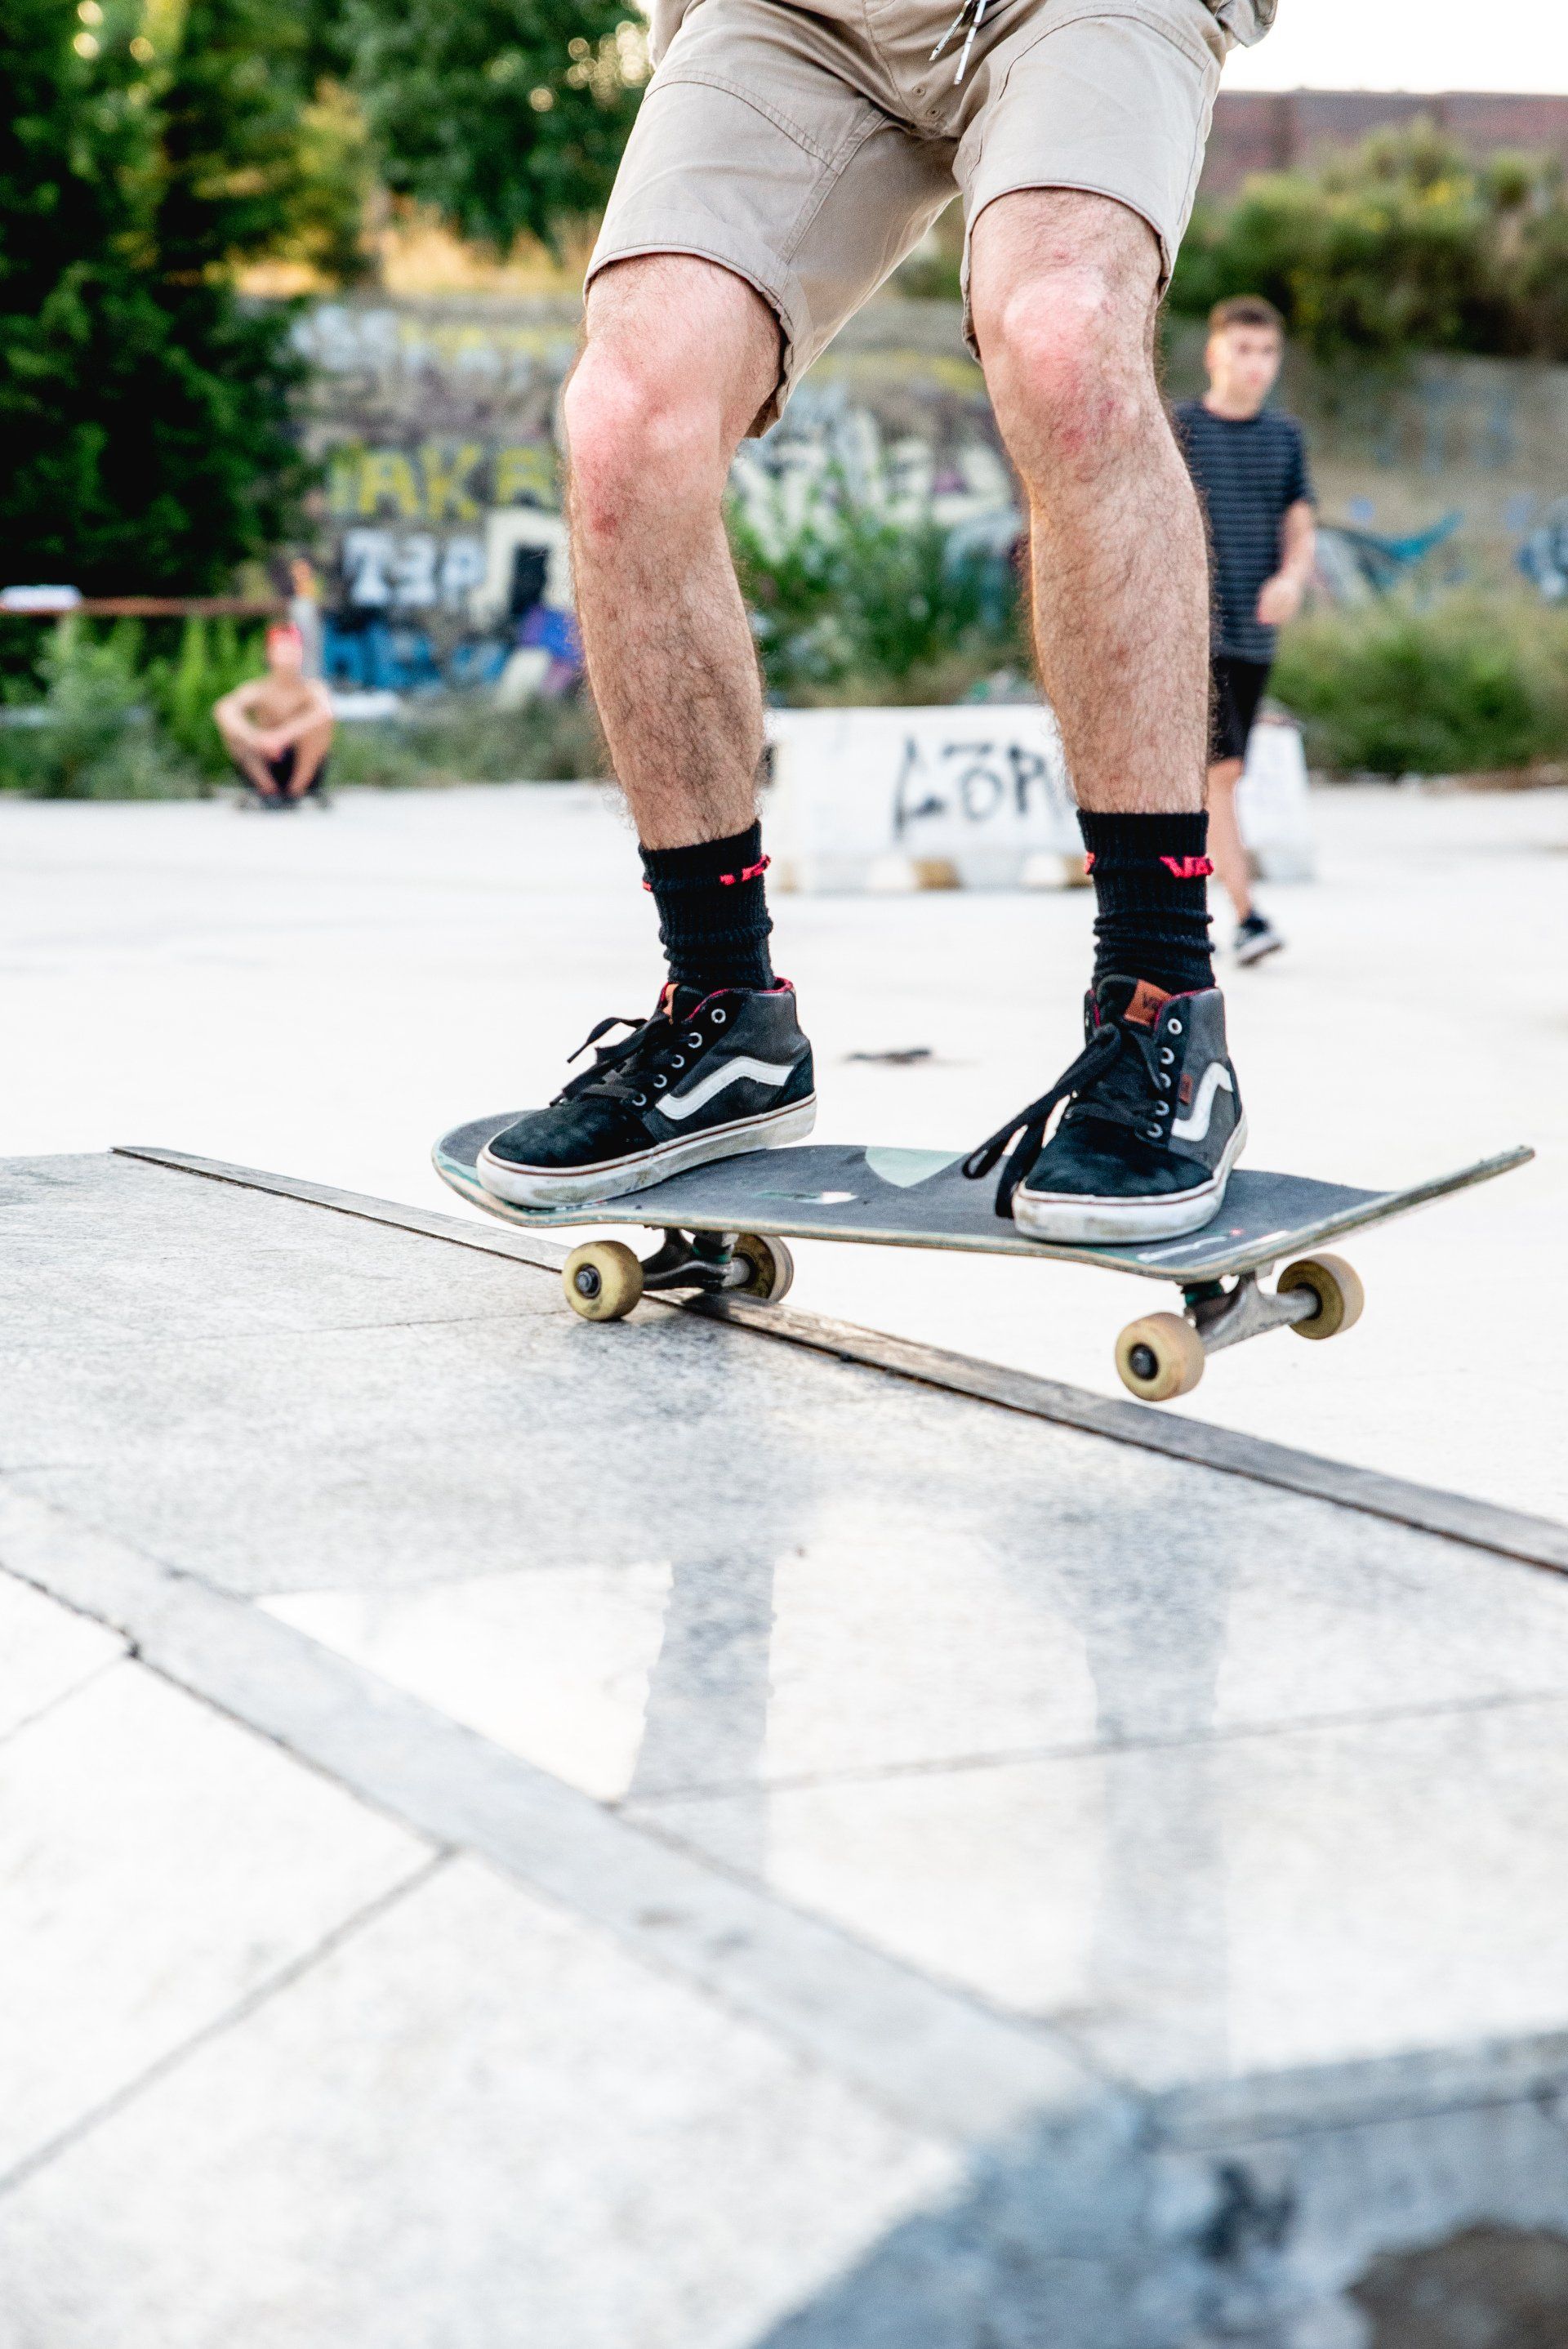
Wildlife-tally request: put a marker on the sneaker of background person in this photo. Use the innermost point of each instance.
(708, 1076)
(1256, 937)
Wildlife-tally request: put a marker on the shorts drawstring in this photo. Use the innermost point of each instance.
(978, 9)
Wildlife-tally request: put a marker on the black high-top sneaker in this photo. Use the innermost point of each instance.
(707, 1077)
(1152, 1127)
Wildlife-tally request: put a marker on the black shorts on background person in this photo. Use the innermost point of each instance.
(1237, 689)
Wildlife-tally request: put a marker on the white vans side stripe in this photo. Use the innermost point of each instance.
(733, 1073)
(1195, 1124)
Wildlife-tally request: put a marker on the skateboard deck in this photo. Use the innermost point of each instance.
(921, 1198)
(725, 1227)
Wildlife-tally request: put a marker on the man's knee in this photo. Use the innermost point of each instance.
(1063, 286)
(656, 405)
(1067, 353)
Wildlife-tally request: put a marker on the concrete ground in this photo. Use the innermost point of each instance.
(322, 995)
(517, 1835)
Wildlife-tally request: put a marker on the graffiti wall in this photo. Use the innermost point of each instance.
(441, 553)
(443, 556)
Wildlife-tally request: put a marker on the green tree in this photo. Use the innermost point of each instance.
(1405, 243)
(507, 117)
(145, 151)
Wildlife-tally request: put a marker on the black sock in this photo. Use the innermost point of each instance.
(713, 912)
(1151, 876)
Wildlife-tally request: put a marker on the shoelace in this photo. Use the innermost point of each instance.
(619, 1069)
(974, 10)
(609, 1074)
(1103, 1049)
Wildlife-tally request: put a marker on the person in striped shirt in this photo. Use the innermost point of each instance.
(1248, 463)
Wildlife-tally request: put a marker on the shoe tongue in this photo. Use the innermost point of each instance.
(677, 1003)
(1136, 1000)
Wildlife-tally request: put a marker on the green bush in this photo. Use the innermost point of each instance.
(849, 591)
(93, 735)
(458, 740)
(507, 116)
(146, 412)
(1465, 687)
(96, 718)
(214, 656)
(1407, 243)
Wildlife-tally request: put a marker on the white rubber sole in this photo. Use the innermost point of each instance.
(1077, 1221)
(544, 1187)
(1258, 949)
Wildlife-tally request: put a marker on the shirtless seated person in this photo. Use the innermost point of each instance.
(277, 727)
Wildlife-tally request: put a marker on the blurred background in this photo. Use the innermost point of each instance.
(291, 286)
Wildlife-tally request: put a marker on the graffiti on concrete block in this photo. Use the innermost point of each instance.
(973, 782)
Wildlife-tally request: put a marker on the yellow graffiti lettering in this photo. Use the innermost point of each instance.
(447, 474)
(387, 476)
(343, 485)
(525, 472)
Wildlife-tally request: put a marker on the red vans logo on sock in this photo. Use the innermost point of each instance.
(1188, 868)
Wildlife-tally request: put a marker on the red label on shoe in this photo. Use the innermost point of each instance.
(1143, 1009)
(1184, 1091)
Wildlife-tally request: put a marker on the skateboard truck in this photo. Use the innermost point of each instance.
(1162, 1354)
(604, 1279)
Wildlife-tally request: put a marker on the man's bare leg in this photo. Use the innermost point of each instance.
(681, 355)
(252, 765)
(309, 750)
(1225, 836)
(1064, 287)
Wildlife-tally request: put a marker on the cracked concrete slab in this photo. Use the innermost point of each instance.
(518, 2134)
(921, 1877)
(45, 1652)
(160, 1866)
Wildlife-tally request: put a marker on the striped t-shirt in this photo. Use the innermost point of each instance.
(1248, 471)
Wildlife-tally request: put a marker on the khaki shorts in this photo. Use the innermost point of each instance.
(810, 150)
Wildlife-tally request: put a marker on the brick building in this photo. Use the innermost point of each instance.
(1273, 130)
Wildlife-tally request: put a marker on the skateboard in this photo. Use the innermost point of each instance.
(726, 1226)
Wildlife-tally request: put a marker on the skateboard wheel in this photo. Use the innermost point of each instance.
(772, 1266)
(1337, 1289)
(602, 1280)
(1158, 1356)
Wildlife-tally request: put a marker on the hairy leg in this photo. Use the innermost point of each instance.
(1063, 288)
(1225, 836)
(680, 356)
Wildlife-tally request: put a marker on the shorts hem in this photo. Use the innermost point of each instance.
(1052, 184)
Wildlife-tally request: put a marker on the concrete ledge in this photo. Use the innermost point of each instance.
(1458, 1516)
